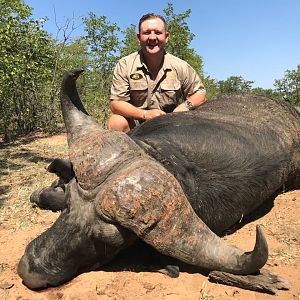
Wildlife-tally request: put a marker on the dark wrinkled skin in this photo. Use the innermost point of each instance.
(169, 182)
(229, 156)
(53, 197)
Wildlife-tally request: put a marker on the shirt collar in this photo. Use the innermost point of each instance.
(141, 64)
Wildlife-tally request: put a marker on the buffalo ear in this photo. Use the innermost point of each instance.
(62, 168)
(51, 198)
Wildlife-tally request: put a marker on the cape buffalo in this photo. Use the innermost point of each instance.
(175, 182)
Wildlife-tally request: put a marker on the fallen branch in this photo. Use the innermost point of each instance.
(263, 282)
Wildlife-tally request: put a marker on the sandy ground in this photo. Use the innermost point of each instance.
(22, 171)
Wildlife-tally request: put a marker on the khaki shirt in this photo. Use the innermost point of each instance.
(132, 82)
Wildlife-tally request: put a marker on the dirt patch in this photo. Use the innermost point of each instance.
(22, 170)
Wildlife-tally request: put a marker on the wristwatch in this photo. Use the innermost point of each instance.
(189, 105)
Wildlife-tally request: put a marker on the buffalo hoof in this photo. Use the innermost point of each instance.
(169, 270)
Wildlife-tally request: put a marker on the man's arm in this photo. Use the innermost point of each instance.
(192, 88)
(197, 99)
(127, 110)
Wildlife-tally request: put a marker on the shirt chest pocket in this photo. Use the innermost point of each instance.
(138, 92)
(171, 90)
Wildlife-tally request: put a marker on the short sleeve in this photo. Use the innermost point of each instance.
(120, 83)
(192, 82)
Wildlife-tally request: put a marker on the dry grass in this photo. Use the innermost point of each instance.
(22, 170)
(205, 293)
(283, 255)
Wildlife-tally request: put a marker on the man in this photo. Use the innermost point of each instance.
(150, 83)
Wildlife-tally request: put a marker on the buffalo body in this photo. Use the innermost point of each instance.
(175, 182)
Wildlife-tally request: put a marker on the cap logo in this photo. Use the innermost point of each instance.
(136, 76)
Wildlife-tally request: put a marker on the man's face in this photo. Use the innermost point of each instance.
(153, 36)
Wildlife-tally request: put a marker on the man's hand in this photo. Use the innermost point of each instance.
(181, 107)
(152, 113)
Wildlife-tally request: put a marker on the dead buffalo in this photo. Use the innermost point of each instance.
(175, 182)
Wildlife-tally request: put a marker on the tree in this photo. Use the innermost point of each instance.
(26, 60)
(70, 55)
(102, 39)
(181, 38)
(289, 86)
(211, 86)
(130, 42)
(234, 84)
(104, 48)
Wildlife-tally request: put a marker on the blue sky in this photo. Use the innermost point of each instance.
(256, 39)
